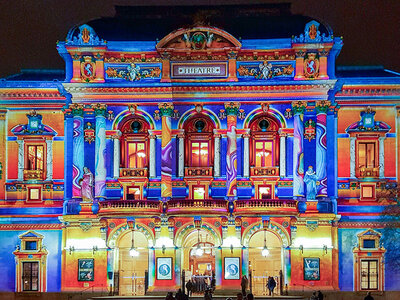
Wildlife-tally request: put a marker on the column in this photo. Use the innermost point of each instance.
(78, 156)
(68, 154)
(166, 110)
(381, 157)
(282, 154)
(398, 145)
(3, 152)
(49, 159)
(323, 64)
(231, 109)
(298, 108)
(21, 159)
(152, 157)
(321, 148)
(100, 111)
(299, 65)
(181, 155)
(217, 153)
(117, 153)
(353, 157)
(246, 155)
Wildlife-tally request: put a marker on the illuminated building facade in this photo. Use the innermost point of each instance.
(200, 154)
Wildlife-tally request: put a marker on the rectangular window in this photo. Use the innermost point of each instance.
(263, 154)
(368, 191)
(133, 193)
(136, 155)
(368, 243)
(199, 192)
(34, 194)
(366, 155)
(264, 192)
(199, 155)
(369, 274)
(30, 276)
(35, 157)
(30, 245)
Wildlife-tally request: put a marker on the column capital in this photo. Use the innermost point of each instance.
(100, 110)
(116, 135)
(76, 109)
(3, 114)
(300, 53)
(322, 106)
(299, 107)
(232, 108)
(166, 109)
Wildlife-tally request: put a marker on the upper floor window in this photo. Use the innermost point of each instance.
(134, 140)
(264, 144)
(35, 159)
(199, 142)
(366, 154)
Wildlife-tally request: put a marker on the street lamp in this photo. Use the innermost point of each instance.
(265, 251)
(199, 251)
(133, 252)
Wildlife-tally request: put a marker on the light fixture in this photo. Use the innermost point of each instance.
(325, 249)
(265, 251)
(133, 252)
(71, 249)
(95, 249)
(199, 251)
(163, 248)
(301, 248)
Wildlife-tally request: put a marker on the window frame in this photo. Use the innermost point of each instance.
(23, 277)
(376, 261)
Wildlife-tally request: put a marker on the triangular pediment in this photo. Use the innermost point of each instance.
(200, 38)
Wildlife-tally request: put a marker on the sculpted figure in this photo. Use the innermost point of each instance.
(87, 185)
(310, 178)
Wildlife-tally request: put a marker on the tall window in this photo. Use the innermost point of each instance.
(35, 157)
(30, 276)
(369, 274)
(263, 154)
(366, 155)
(136, 155)
(199, 157)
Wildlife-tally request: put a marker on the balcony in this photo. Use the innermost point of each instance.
(195, 206)
(264, 171)
(198, 172)
(369, 172)
(266, 206)
(137, 172)
(129, 207)
(33, 174)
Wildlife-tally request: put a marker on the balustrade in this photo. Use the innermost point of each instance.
(264, 171)
(33, 174)
(198, 171)
(137, 172)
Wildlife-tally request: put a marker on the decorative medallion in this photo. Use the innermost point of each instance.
(285, 224)
(151, 225)
(245, 224)
(309, 130)
(217, 224)
(312, 225)
(178, 224)
(85, 226)
(311, 66)
(111, 225)
(89, 133)
(133, 72)
(198, 41)
(265, 70)
(88, 68)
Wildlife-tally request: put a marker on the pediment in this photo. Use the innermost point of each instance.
(201, 38)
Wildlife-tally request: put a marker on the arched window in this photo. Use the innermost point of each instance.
(199, 142)
(134, 157)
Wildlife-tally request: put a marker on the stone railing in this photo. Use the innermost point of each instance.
(199, 171)
(264, 171)
(369, 172)
(128, 172)
(204, 206)
(264, 206)
(132, 207)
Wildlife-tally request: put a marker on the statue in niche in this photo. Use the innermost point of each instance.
(87, 185)
(310, 178)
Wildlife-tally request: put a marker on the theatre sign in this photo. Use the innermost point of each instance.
(195, 70)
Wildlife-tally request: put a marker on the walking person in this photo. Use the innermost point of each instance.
(189, 286)
(271, 285)
(244, 284)
(369, 296)
(320, 295)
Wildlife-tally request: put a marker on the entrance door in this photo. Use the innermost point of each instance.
(262, 267)
(199, 259)
(132, 269)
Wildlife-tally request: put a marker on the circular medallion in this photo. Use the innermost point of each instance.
(178, 224)
(164, 269)
(151, 225)
(245, 224)
(217, 224)
(198, 40)
(285, 224)
(232, 269)
(112, 225)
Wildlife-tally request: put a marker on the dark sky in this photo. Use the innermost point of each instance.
(29, 29)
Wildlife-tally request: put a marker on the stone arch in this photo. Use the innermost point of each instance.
(190, 113)
(273, 227)
(272, 112)
(118, 232)
(187, 228)
(121, 117)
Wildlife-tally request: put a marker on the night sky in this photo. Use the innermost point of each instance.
(30, 29)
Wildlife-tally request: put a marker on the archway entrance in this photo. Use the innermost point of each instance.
(262, 267)
(198, 259)
(133, 269)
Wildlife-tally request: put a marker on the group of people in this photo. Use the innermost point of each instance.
(200, 284)
(317, 296)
